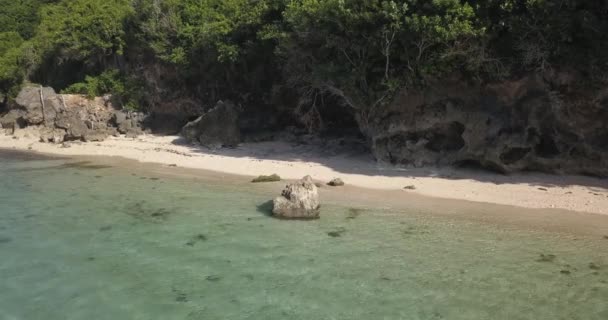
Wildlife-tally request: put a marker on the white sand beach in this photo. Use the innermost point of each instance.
(529, 190)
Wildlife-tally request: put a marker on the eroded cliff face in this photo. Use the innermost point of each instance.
(528, 124)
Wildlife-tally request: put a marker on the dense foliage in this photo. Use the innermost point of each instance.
(300, 53)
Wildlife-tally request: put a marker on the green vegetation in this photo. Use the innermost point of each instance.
(302, 54)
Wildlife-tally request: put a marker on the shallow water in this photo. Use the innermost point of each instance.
(86, 241)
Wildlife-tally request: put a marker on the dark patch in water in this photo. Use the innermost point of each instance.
(265, 208)
(594, 266)
(105, 228)
(565, 272)
(91, 259)
(29, 216)
(5, 239)
(197, 238)
(546, 257)
(98, 177)
(353, 213)
(249, 277)
(336, 233)
(155, 179)
(386, 278)
(138, 210)
(161, 213)
(605, 237)
(213, 278)
(84, 165)
(10, 154)
(180, 296)
(415, 230)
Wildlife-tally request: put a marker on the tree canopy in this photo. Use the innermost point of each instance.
(355, 52)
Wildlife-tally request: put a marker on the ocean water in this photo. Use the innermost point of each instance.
(85, 241)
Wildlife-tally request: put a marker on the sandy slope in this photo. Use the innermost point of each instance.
(525, 190)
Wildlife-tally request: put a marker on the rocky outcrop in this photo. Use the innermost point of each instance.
(299, 200)
(68, 117)
(39, 105)
(216, 128)
(129, 123)
(527, 124)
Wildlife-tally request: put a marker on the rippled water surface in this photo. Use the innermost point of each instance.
(85, 241)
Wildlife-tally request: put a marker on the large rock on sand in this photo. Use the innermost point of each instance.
(216, 128)
(40, 104)
(299, 200)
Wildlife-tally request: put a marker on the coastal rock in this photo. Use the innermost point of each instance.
(506, 127)
(40, 104)
(216, 128)
(337, 182)
(60, 117)
(72, 122)
(52, 135)
(299, 200)
(95, 136)
(128, 123)
(12, 120)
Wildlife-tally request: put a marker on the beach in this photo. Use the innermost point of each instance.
(526, 190)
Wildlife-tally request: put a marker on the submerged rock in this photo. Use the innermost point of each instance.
(216, 128)
(5, 239)
(299, 200)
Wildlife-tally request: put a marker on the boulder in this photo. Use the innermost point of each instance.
(216, 128)
(337, 182)
(40, 104)
(72, 122)
(299, 200)
(128, 123)
(12, 120)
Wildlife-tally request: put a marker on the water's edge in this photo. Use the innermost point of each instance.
(553, 220)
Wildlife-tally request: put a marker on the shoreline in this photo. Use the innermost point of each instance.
(524, 190)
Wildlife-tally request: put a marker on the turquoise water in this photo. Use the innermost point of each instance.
(82, 241)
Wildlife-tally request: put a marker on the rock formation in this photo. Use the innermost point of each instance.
(62, 117)
(299, 200)
(527, 124)
(216, 128)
